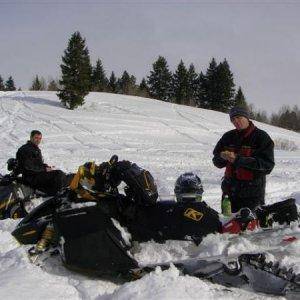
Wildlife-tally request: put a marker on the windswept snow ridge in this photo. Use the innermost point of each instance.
(165, 138)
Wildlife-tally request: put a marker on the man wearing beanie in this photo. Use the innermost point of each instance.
(247, 154)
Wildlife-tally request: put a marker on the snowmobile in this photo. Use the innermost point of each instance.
(90, 236)
(16, 197)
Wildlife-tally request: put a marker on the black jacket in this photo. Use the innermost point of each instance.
(30, 160)
(245, 177)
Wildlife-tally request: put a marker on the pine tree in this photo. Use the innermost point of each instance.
(192, 85)
(209, 86)
(201, 96)
(76, 73)
(2, 87)
(38, 84)
(9, 84)
(112, 83)
(160, 80)
(126, 84)
(143, 89)
(99, 80)
(180, 84)
(239, 99)
(143, 85)
(52, 85)
(225, 88)
(217, 87)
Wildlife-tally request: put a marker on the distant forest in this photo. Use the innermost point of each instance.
(213, 89)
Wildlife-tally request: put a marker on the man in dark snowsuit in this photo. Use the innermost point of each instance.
(35, 173)
(247, 153)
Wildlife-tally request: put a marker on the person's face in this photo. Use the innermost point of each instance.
(240, 122)
(36, 139)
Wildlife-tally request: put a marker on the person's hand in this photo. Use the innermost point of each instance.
(228, 155)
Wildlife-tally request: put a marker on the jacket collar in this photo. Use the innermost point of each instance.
(32, 144)
(246, 132)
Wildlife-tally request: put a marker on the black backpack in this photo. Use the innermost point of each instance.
(283, 212)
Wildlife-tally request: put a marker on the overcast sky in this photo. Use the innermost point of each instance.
(260, 40)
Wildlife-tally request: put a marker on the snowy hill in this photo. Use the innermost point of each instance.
(165, 138)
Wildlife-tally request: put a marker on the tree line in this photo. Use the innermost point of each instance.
(213, 89)
(287, 117)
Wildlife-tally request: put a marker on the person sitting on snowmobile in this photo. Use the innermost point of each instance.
(35, 172)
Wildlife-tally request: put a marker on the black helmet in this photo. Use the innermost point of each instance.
(188, 187)
(12, 164)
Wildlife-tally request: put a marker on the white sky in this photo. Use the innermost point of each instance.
(260, 40)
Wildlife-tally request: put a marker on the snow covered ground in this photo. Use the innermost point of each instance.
(165, 138)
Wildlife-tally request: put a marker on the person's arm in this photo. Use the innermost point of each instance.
(262, 159)
(218, 161)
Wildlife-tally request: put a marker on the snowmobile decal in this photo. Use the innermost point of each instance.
(193, 214)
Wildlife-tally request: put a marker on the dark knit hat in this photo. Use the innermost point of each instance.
(239, 111)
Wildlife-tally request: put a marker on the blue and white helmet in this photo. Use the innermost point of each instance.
(188, 188)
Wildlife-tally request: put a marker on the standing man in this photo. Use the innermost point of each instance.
(247, 153)
(35, 172)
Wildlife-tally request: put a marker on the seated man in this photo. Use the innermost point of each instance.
(35, 172)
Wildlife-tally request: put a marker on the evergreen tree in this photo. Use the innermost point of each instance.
(38, 84)
(76, 73)
(192, 85)
(126, 84)
(99, 80)
(201, 96)
(217, 87)
(209, 86)
(180, 84)
(52, 85)
(160, 80)
(239, 99)
(2, 87)
(225, 88)
(143, 90)
(112, 83)
(143, 85)
(9, 84)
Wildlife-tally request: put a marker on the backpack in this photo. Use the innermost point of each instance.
(283, 212)
(140, 185)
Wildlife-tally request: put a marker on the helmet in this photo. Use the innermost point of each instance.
(12, 164)
(188, 188)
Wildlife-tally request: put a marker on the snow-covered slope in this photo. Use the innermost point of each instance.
(165, 138)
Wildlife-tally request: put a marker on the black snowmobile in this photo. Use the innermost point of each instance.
(90, 235)
(15, 195)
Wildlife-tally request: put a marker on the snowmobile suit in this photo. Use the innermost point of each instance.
(245, 179)
(34, 173)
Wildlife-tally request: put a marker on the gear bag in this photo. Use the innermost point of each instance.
(283, 212)
(141, 185)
